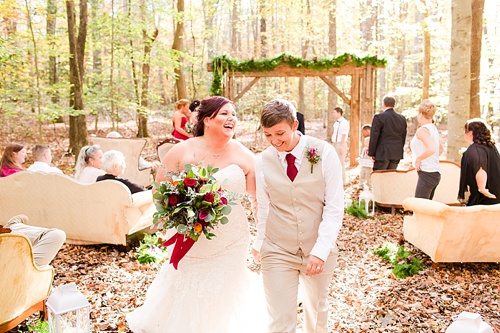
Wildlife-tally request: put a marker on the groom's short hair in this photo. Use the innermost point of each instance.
(277, 110)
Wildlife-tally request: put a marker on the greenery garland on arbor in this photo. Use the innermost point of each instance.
(223, 63)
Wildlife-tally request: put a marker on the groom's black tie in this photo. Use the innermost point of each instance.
(291, 169)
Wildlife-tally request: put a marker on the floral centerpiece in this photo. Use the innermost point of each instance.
(194, 203)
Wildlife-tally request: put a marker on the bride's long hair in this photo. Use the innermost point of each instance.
(209, 107)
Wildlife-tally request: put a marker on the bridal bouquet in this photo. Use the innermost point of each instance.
(193, 203)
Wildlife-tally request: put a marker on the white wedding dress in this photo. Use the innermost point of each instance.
(212, 291)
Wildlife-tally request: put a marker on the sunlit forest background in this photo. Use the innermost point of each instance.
(135, 58)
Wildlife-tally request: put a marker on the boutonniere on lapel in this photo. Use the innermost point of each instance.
(312, 156)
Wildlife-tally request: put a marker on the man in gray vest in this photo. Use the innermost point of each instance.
(300, 210)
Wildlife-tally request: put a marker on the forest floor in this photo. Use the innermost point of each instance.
(365, 296)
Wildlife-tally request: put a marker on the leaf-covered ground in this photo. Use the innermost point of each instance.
(364, 294)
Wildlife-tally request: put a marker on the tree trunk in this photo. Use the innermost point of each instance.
(304, 48)
(263, 30)
(37, 72)
(426, 69)
(178, 45)
(51, 35)
(459, 76)
(332, 49)
(142, 114)
(475, 57)
(77, 125)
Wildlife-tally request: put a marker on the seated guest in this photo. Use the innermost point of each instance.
(143, 164)
(88, 164)
(480, 166)
(13, 158)
(43, 157)
(45, 242)
(113, 163)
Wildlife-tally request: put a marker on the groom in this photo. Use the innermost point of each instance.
(300, 209)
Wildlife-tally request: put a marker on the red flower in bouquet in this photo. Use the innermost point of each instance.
(193, 203)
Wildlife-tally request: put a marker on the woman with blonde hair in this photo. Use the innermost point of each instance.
(13, 158)
(425, 149)
(181, 119)
(88, 164)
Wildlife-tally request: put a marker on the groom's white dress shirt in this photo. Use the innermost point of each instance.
(333, 210)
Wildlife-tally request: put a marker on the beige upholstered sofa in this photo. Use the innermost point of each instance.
(25, 286)
(104, 212)
(453, 234)
(132, 149)
(391, 187)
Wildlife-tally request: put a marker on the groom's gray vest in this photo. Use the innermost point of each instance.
(295, 208)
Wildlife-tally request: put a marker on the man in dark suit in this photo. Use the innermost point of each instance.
(300, 117)
(387, 137)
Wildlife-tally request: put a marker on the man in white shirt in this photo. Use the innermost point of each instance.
(43, 157)
(339, 137)
(45, 242)
(300, 209)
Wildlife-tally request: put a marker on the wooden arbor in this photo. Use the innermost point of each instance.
(360, 97)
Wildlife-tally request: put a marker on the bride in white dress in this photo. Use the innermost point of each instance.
(212, 291)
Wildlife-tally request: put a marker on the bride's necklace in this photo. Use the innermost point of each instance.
(216, 156)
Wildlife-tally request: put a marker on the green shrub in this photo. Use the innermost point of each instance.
(150, 250)
(39, 327)
(357, 209)
(403, 262)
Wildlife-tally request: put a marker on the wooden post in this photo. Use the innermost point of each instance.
(354, 117)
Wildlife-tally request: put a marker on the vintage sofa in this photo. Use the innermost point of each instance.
(25, 286)
(104, 212)
(453, 234)
(132, 149)
(391, 187)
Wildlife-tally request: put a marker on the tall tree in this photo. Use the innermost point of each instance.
(77, 120)
(459, 76)
(38, 95)
(264, 48)
(332, 49)
(475, 56)
(426, 68)
(178, 46)
(51, 36)
(305, 47)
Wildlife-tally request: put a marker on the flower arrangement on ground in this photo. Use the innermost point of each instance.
(193, 203)
(404, 263)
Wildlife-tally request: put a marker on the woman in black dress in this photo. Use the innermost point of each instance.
(480, 166)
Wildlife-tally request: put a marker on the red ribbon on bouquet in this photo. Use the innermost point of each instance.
(182, 243)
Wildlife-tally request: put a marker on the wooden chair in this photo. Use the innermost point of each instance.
(25, 286)
(164, 146)
(132, 149)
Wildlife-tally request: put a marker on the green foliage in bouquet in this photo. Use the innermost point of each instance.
(39, 327)
(150, 250)
(403, 262)
(222, 64)
(193, 202)
(357, 209)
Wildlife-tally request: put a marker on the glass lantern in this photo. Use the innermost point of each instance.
(68, 310)
(367, 199)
